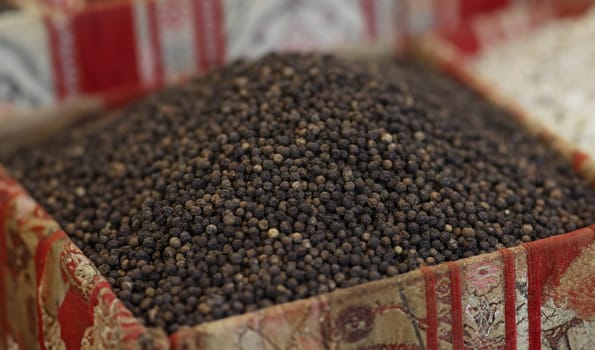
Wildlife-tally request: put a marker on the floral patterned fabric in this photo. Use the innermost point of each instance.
(51, 295)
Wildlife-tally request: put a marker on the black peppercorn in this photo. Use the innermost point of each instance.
(269, 181)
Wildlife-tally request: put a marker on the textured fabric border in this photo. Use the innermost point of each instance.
(51, 295)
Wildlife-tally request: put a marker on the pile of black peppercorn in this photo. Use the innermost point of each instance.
(294, 175)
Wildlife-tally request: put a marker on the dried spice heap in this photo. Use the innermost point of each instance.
(295, 175)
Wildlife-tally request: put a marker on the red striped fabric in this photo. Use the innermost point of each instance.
(509, 298)
(200, 35)
(209, 32)
(155, 42)
(431, 310)
(3, 234)
(534, 299)
(54, 47)
(105, 48)
(369, 14)
(219, 31)
(457, 307)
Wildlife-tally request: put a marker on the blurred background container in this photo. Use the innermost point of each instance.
(56, 50)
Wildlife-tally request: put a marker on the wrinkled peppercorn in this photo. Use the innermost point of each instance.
(295, 175)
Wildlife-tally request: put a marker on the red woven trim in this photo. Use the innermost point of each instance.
(369, 14)
(54, 47)
(431, 310)
(534, 296)
(219, 32)
(104, 49)
(456, 304)
(155, 42)
(3, 233)
(200, 35)
(509, 298)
